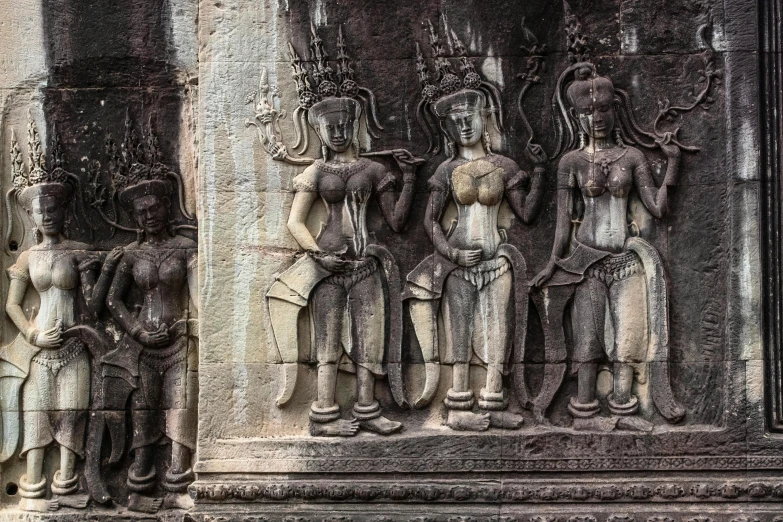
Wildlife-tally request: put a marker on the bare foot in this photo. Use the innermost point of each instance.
(78, 501)
(634, 424)
(381, 425)
(177, 501)
(505, 420)
(467, 421)
(38, 505)
(336, 428)
(143, 504)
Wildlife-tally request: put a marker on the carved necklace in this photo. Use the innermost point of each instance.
(344, 170)
(604, 163)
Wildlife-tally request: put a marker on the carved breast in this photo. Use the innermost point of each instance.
(159, 268)
(598, 174)
(478, 181)
(51, 268)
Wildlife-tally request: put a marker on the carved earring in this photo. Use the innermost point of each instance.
(618, 137)
(37, 235)
(451, 148)
(486, 142)
(325, 152)
(582, 140)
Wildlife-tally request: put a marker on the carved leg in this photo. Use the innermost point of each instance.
(628, 306)
(141, 481)
(65, 482)
(367, 410)
(177, 479)
(325, 418)
(588, 316)
(32, 486)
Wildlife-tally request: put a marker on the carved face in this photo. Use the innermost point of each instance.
(151, 213)
(465, 127)
(594, 107)
(49, 215)
(336, 130)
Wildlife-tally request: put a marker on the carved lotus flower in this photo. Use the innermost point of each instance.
(296, 519)
(608, 493)
(544, 518)
(490, 494)
(548, 493)
(502, 518)
(365, 492)
(337, 492)
(520, 494)
(246, 492)
(460, 493)
(580, 493)
(255, 519)
(639, 492)
(429, 493)
(277, 491)
(660, 519)
(729, 491)
(309, 491)
(699, 518)
(757, 490)
(670, 491)
(701, 490)
(397, 492)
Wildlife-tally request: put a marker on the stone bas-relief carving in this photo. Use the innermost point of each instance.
(352, 285)
(153, 369)
(475, 280)
(46, 369)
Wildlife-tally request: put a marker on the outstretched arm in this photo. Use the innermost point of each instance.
(526, 204)
(396, 208)
(565, 206)
(657, 199)
(95, 289)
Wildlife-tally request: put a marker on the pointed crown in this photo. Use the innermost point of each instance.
(35, 178)
(446, 81)
(135, 166)
(322, 81)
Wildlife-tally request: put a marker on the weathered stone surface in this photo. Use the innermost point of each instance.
(415, 313)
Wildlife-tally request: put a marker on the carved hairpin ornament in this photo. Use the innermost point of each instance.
(344, 278)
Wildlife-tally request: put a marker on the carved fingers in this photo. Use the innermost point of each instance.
(156, 339)
(544, 276)
(51, 338)
(468, 258)
(535, 153)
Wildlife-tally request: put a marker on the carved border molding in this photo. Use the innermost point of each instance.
(620, 517)
(486, 492)
(630, 463)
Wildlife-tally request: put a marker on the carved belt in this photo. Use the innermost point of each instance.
(483, 273)
(164, 358)
(615, 267)
(353, 276)
(58, 358)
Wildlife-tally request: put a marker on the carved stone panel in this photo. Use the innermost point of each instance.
(422, 260)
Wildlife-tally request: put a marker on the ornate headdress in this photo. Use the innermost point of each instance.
(36, 180)
(319, 92)
(448, 92)
(136, 171)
